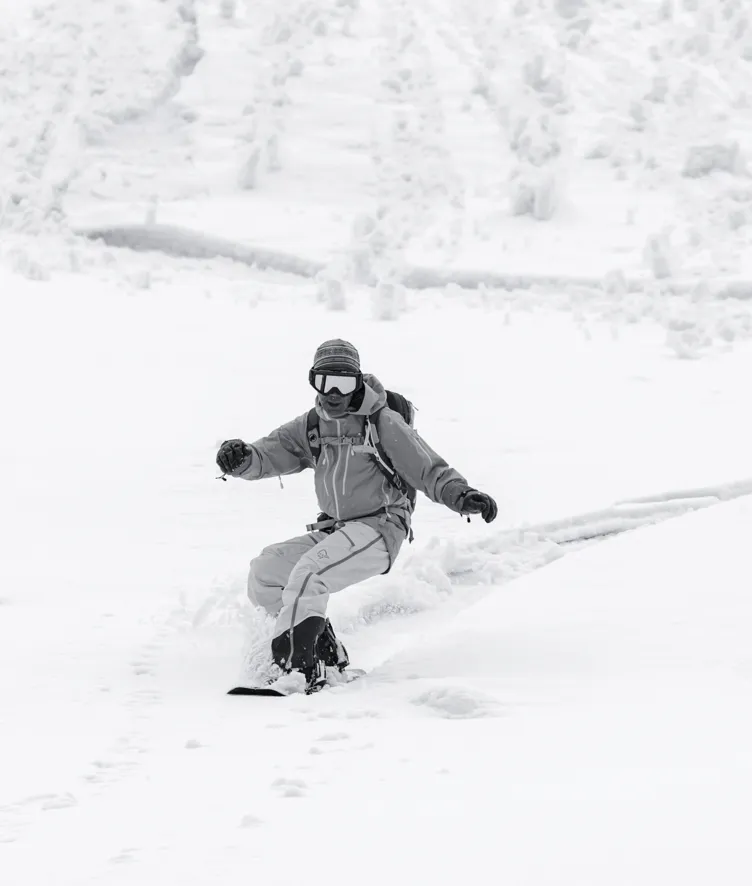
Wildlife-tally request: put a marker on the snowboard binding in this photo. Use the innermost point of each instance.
(330, 650)
(331, 654)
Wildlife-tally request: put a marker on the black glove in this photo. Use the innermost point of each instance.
(474, 502)
(231, 455)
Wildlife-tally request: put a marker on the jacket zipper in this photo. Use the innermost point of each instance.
(348, 452)
(334, 472)
(326, 469)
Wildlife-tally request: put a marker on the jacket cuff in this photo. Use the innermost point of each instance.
(453, 495)
(244, 467)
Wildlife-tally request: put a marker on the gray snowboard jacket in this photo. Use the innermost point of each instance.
(349, 485)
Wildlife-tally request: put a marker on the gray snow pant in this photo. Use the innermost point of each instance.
(293, 579)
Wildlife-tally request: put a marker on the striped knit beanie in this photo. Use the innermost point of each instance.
(336, 355)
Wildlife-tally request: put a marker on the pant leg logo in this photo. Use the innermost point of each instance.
(322, 555)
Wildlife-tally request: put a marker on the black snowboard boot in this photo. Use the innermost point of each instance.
(330, 650)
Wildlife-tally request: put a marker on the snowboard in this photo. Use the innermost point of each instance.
(338, 679)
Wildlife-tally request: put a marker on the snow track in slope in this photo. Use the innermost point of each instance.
(430, 585)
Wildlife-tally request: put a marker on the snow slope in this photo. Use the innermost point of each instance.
(542, 706)
(590, 720)
(599, 734)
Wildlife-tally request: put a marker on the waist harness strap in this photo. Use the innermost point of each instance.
(326, 522)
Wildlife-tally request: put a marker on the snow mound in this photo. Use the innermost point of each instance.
(457, 703)
(185, 243)
(193, 244)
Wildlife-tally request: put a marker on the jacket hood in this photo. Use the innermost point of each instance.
(374, 398)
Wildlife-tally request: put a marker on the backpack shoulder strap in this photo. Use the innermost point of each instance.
(313, 435)
(372, 423)
(373, 418)
(382, 459)
(384, 464)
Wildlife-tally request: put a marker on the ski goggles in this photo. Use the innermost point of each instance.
(325, 382)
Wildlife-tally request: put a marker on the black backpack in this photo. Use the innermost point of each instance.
(398, 404)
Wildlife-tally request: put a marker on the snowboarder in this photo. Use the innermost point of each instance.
(367, 461)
